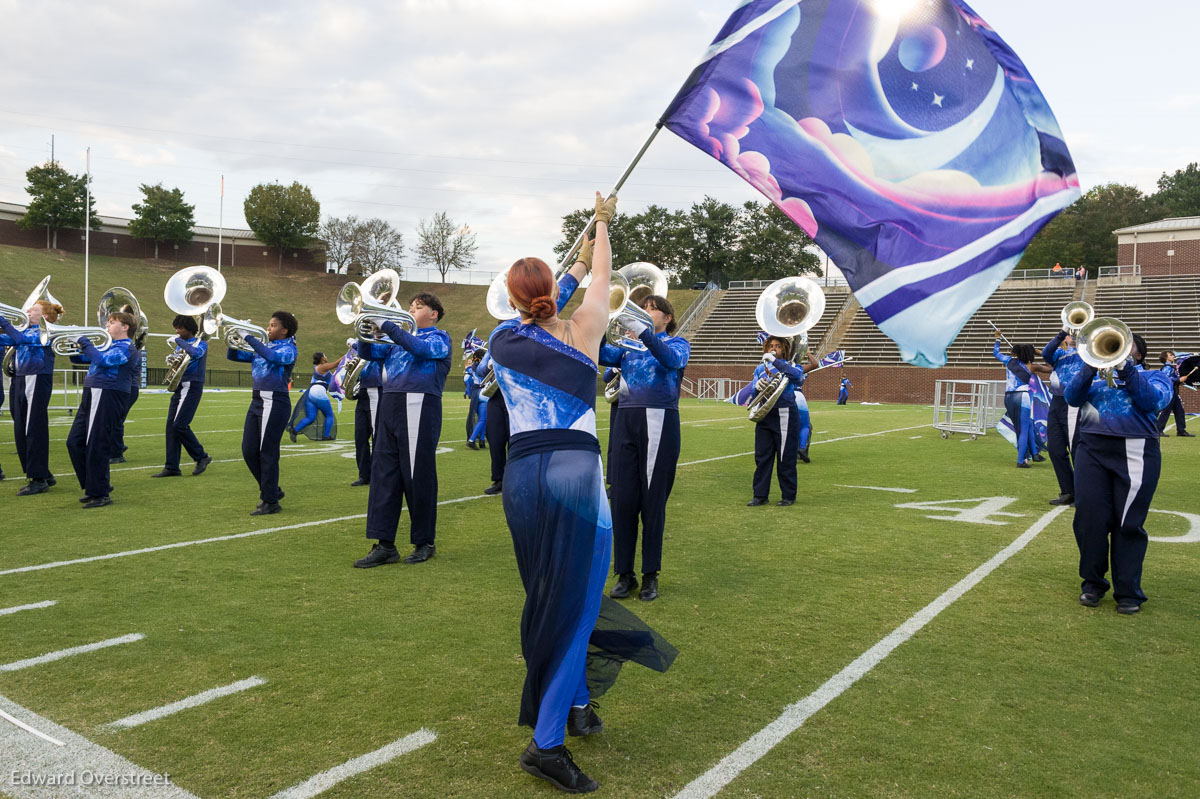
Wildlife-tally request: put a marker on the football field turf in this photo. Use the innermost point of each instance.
(910, 628)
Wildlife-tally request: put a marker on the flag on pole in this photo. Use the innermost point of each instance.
(835, 359)
(912, 146)
(472, 342)
(761, 337)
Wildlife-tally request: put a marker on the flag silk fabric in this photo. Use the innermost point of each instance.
(915, 149)
(834, 358)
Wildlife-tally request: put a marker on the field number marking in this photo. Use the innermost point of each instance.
(980, 513)
(1192, 536)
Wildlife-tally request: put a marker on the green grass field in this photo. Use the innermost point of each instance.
(1012, 690)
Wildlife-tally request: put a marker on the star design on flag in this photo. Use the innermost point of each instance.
(915, 87)
(937, 99)
(970, 63)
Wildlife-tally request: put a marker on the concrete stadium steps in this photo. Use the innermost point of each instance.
(1163, 310)
(728, 334)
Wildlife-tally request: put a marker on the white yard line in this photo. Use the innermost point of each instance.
(880, 488)
(794, 716)
(327, 779)
(196, 700)
(36, 769)
(813, 444)
(34, 606)
(49, 657)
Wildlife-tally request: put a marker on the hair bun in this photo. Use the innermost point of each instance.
(542, 307)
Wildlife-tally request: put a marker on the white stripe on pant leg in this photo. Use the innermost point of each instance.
(96, 393)
(30, 385)
(654, 428)
(1072, 418)
(373, 404)
(268, 399)
(783, 431)
(415, 403)
(1135, 464)
(182, 396)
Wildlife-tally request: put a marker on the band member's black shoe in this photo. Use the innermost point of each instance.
(379, 555)
(1024, 465)
(33, 487)
(1, 475)
(802, 454)
(201, 465)
(50, 481)
(754, 503)
(583, 721)
(1039, 458)
(649, 591)
(1063, 499)
(266, 509)
(86, 498)
(167, 473)
(626, 585)
(494, 488)
(1186, 434)
(1089, 600)
(471, 445)
(292, 435)
(556, 767)
(118, 459)
(421, 554)
(361, 482)
(783, 503)
(1128, 607)
(98, 502)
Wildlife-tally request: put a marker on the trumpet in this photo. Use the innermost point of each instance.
(788, 308)
(1075, 315)
(192, 292)
(234, 331)
(1104, 343)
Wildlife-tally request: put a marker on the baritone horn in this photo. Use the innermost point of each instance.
(1075, 315)
(119, 299)
(368, 306)
(627, 290)
(63, 338)
(234, 331)
(353, 367)
(1104, 343)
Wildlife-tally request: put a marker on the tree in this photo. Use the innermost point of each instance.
(709, 242)
(771, 246)
(652, 235)
(163, 217)
(1083, 233)
(445, 246)
(284, 217)
(378, 245)
(57, 202)
(1179, 194)
(339, 236)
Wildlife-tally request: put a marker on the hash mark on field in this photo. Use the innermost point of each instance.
(814, 443)
(881, 488)
(34, 606)
(794, 716)
(185, 704)
(17, 665)
(327, 779)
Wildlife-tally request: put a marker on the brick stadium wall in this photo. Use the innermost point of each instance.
(908, 384)
(122, 245)
(1152, 255)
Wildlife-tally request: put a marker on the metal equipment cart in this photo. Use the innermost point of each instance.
(967, 406)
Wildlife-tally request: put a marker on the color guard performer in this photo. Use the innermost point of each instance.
(314, 402)
(29, 396)
(185, 399)
(1171, 369)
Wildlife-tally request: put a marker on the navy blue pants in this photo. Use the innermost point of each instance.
(1060, 442)
(1115, 480)
(472, 410)
(29, 402)
(130, 397)
(266, 419)
(775, 440)
(1175, 407)
(366, 410)
(404, 467)
(180, 413)
(645, 451)
(613, 407)
(497, 434)
(90, 442)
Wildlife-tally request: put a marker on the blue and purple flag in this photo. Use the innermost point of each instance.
(914, 148)
(761, 337)
(835, 359)
(472, 342)
(1039, 416)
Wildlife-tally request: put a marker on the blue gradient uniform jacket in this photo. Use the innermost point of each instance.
(795, 379)
(1016, 376)
(649, 379)
(108, 369)
(1066, 364)
(1127, 411)
(371, 375)
(32, 358)
(198, 367)
(416, 363)
(270, 363)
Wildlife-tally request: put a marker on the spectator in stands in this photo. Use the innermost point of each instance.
(1171, 369)
(1057, 271)
(1018, 405)
(1081, 273)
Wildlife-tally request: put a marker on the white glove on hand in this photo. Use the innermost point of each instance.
(769, 357)
(761, 384)
(636, 326)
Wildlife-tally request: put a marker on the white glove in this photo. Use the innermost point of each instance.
(636, 326)
(769, 357)
(761, 384)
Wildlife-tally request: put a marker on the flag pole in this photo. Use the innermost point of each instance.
(616, 187)
(220, 222)
(87, 224)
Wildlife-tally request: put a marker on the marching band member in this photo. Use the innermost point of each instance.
(185, 399)
(1171, 369)
(645, 445)
(91, 439)
(1116, 472)
(477, 437)
(403, 465)
(772, 441)
(1061, 427)
(270, 405)
(1017, 403)
(471, 382)
(29, 396)
(133, 374)
(366, 409)
(315, 400)
(496, 430)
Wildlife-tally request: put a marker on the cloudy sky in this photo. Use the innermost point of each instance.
(506, 114)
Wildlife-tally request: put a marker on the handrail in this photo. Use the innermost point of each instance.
(698, 306)
(1130, 270)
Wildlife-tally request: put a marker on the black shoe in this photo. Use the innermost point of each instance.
(1039, 458)
(86, 498)
(1063, 499)
(471, 445)
(802, 454)
(167, 473)
(1024, 465)
(361, 482)
(201, 465)
(1164, 435)
(583, 721)
(379, 555)
(292, 434)
(98, 502)
(649, 591)
(556, 767)
(421, 554)
(1127, 607)
(266, 509)
(50, 481)
(626, 585)
(1089, 600)
(754, 503)
(1186, 434)
(118, 459)
(1, 475)
(783, 503)
(494, 488)
(33, 487)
